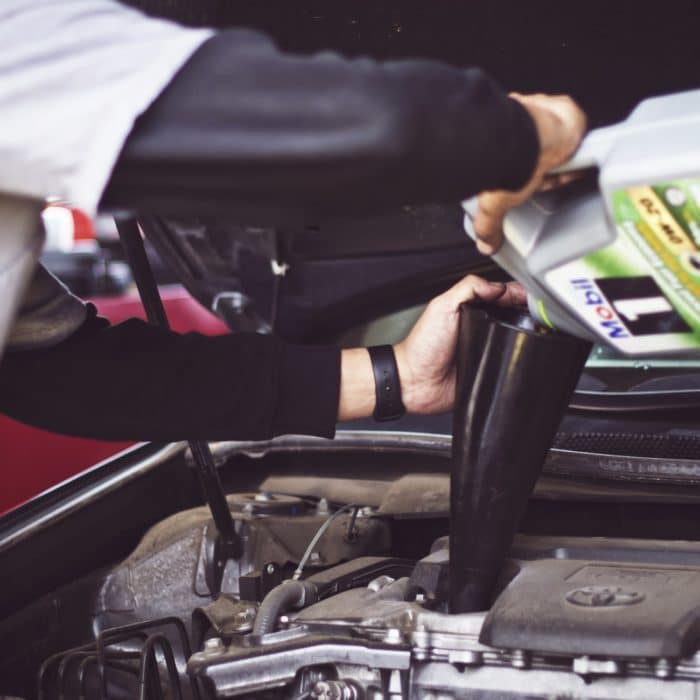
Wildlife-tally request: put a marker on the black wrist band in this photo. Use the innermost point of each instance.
(387, 386)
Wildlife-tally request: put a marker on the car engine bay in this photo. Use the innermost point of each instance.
(341, 591)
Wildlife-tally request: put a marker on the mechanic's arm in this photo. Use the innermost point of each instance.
(247, 125)
(134, 381)
(426, 358)
(227, 120)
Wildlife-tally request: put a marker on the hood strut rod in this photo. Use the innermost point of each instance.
(229, 545)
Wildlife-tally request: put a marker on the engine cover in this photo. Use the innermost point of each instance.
(617, 609)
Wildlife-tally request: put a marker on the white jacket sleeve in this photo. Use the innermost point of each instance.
(74, 76)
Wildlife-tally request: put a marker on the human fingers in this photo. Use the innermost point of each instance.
(488, 221)
(473, 288)
(514, 294)
(555, 180)
(560, 125)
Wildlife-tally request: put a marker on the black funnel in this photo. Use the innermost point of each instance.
(514, 380)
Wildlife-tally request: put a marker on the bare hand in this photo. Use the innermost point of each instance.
(426, 358)
(560, 127)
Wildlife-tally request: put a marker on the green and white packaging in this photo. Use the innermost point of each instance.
(618, 261)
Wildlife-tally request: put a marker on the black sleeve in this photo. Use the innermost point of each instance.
(245, 123)
(134, 381)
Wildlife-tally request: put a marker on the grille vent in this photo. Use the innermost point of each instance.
(632, 444)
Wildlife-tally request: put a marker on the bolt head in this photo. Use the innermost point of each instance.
(376, 584)
(664, 668)
(320, 689)
(243, 620)
(213, 644)
(520, 659)
(393, 636)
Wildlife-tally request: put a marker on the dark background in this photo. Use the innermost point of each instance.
(608, 55)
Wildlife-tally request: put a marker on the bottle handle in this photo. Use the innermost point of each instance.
(593, 151)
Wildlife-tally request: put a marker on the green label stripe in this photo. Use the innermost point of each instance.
(615, 260)
(665, 229)
(623, 208)
(543, 313)
(684, 214)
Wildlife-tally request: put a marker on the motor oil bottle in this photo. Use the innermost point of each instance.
(615, 257)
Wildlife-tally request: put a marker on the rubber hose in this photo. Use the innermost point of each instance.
(287, 596)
